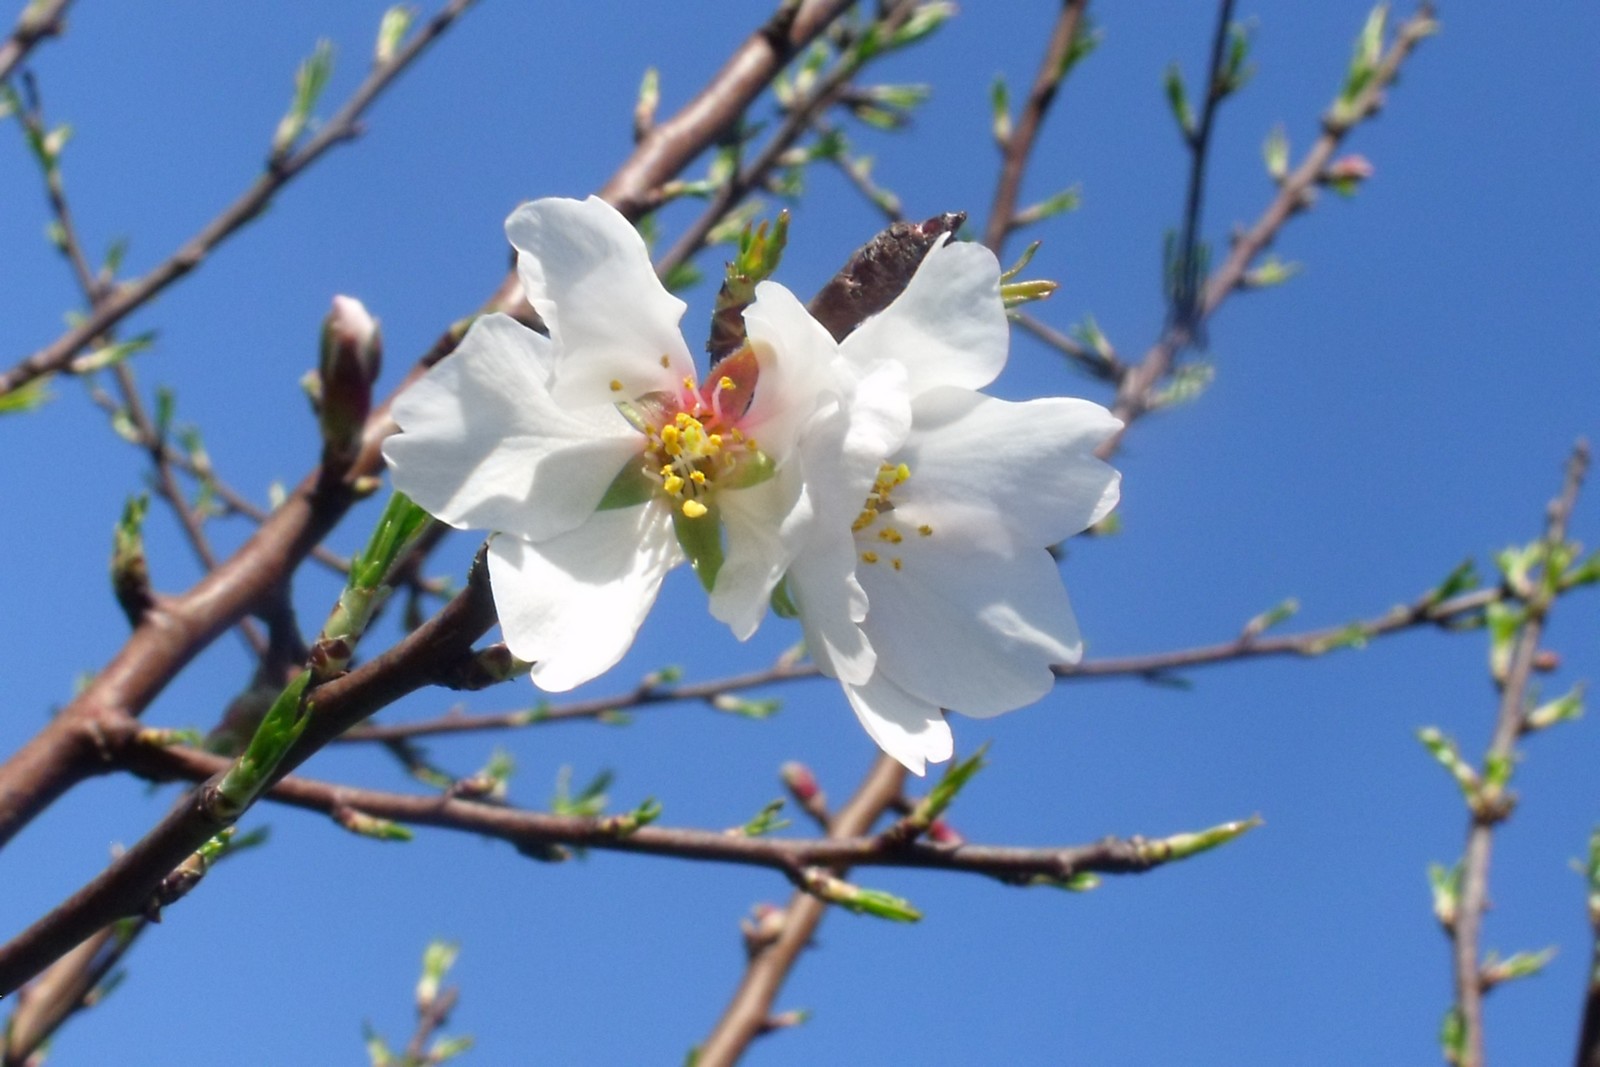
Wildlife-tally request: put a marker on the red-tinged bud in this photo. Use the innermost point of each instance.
(763, 926)
(1344, 176)
(352, 355)
(1546, 660)
(799, 780)
(942, 833)
(1351, 168)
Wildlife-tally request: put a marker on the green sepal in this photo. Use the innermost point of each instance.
(631, 487)
(753, 468)
(701, 539)
(783, 605)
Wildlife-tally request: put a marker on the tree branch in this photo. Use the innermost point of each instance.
(38, 21)
(344, 126)
(1019, 144)
(1137, 387)
(746, 1015)
(1491, 804)
(429, 655)
(634, 189)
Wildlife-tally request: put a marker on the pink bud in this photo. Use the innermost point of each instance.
(800, 781)
(1353, 168)
(352, 354)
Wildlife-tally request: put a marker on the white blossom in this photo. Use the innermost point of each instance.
(952, 597)
(597, 459)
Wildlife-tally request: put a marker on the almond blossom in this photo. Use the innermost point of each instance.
(952, 601)
(600, 462)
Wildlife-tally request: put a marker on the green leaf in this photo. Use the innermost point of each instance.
(1178, 101)
(27, 397)
(309, 81)
(766, 820)
(1275, 151)
(747, 707)
(1565, 708)
(1000, 108)
(392, 30)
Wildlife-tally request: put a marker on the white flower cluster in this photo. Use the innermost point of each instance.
(866, 486)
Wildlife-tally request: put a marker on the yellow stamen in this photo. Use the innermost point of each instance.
(673, 485)
(890, 534)
(896, 562)
(697, 477)
(693, 509)
(869, 557)
(925, 530)
(726, 383)
(616, 386)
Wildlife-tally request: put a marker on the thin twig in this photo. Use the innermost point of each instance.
(69, 986)
(1019, 144)
(746, 1015)
(1138, 386)
(37, 22)
(1461, 610)
(881, 199)
(344, 126)
(635, 188)
(1186, 263)
(1493, 806)
(427, 656)
(1589, 1028)
(1104, 366)
(96, 289)
(795, 124)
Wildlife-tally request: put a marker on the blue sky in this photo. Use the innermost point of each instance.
(1407, 401)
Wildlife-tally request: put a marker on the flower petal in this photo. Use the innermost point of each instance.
(949, 325)
(910, 730)
(966, 623)
(1029, 467)
(757, 555)
(485, 446)
(798, 362)
(840, 452)
(587, 273)
(571, 605)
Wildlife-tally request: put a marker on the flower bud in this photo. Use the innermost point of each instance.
(1344, 175)
(352, 354)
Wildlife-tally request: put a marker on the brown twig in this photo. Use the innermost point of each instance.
(431, 1018)
(37, 22)
(96, 289)
(881, 199)
(746, 1015)
(344, 126)
(1102, 365)
(1019, 144)
(635, 188)
(429, 655)
(1461, 610)
(1589, 1029)
(1137, 388)
(534, 830)
(1186, 264)
(69, 986)
(1491, 804)
(231, 499)
(795, 124)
